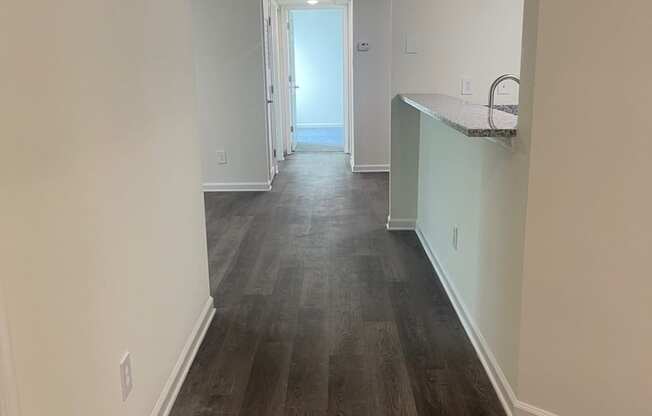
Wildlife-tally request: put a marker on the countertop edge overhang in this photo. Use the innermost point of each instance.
(472, 120)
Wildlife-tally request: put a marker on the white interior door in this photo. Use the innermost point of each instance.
(292, 84)
(270, 96)
(279, 92)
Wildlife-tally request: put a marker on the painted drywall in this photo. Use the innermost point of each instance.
(470, 39)
(372, 82)
(445, 180)
(104, 245)
(319, 66)
(586, 332)
(230, 83)
(480, 188)
(454, 40)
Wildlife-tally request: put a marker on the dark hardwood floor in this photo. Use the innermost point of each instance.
(321, 311)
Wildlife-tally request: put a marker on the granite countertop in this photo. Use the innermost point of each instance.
(470, 119)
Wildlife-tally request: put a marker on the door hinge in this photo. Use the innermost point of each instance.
(274, 152)
(291, 129)
(271, 89)
(269, 21)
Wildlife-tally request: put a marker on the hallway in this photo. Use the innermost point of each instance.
(321, 311)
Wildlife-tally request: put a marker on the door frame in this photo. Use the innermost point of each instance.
(284, 68)
(276, 12)
(270, 95)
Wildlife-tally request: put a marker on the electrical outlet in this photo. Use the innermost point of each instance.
(467, 87)
(221, 157)
(126, 376)
(456, 238)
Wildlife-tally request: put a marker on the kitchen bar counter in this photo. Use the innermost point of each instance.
(472, 120)
(435, 134)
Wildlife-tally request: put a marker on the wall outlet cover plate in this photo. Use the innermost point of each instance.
(467, 87)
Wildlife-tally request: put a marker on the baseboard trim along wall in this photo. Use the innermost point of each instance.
(369, 168)
(8, 382)
(164, 404)
(506, 394)
(400, 224)
(524, 409)
(238, 187)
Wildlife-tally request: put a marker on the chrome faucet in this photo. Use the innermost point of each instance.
(492, 94)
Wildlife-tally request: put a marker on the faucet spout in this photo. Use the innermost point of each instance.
(492, 94)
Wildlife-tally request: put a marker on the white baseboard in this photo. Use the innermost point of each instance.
(505, 392)
(238, 187)
(8, 382)
(400, 224)
(164, 404)
(369, 168)
(524, 409)
(272, 174)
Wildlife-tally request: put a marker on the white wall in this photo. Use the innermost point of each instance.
(480, 188)
(319, 66)
(586, 333)
(473, 39)
(103, 246)
(474, 185)
(372, 83)
(228, 50)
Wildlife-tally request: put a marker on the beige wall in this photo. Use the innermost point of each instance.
(100, 183)
(586, 333)
(229, 68)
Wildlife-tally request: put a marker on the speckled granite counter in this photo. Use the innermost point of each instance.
(470, 119)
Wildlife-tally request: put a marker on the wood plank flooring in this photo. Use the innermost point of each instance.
(321, 311)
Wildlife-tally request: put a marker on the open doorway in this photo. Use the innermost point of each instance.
(314, 72)
(317, 70)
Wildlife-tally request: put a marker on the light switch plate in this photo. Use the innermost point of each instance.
(221, 157)
(411, 44)
(467, 87)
